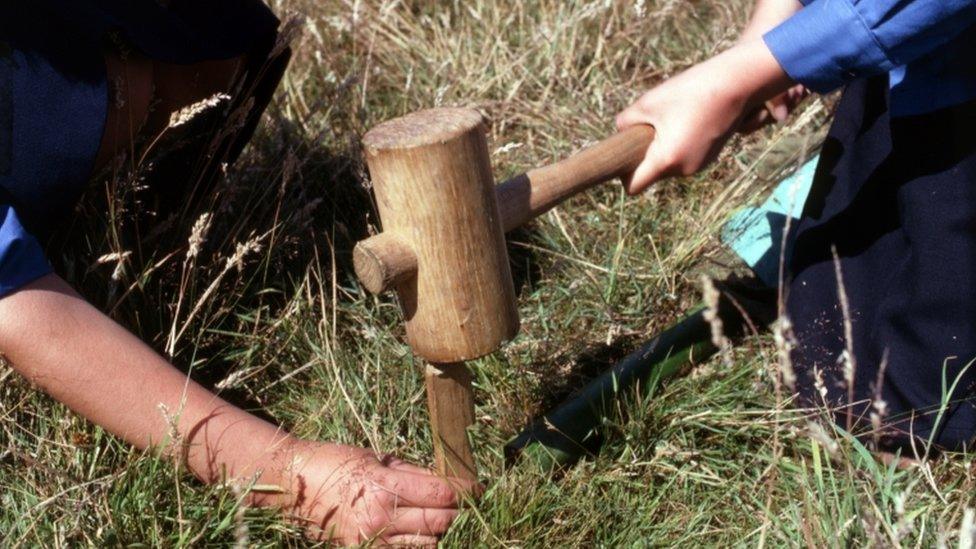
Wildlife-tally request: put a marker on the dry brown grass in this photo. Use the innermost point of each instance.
(265, 307)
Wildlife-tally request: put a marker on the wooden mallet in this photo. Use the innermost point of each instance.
(443, 248)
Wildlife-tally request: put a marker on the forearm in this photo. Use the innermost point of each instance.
(347, 494)
(82, 358)
(696, 111)
(746, 74)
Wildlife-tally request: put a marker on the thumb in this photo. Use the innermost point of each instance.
(631, 116)
(657, 165)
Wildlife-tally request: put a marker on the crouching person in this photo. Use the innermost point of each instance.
(81, 82)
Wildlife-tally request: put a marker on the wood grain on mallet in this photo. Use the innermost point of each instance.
(451, 413)
(383, 261)
(432, 180)
(527, 196)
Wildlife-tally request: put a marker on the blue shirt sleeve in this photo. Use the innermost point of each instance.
(21, 257)
(829, 43)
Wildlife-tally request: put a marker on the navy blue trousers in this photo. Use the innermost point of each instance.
(896, 199)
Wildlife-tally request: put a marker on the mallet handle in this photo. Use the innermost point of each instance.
(384, 260)
(529, 195)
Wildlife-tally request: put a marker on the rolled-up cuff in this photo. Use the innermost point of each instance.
(826, 45)
(22, 259)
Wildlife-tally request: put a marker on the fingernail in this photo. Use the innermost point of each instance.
(781, 113)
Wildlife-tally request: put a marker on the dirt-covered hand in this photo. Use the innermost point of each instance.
(350, 495)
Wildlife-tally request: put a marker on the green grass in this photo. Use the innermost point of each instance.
(714, 459)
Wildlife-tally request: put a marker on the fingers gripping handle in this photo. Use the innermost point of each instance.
(382, 260)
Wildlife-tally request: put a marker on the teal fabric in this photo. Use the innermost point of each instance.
(755, 234)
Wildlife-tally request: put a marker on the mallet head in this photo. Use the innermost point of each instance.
(432, 180)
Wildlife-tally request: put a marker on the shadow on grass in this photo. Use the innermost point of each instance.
(582, 420)
(524, 262)
(126, 248)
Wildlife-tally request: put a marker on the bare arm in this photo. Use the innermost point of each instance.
(82, 358)
(98, 369)
(766, 15)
